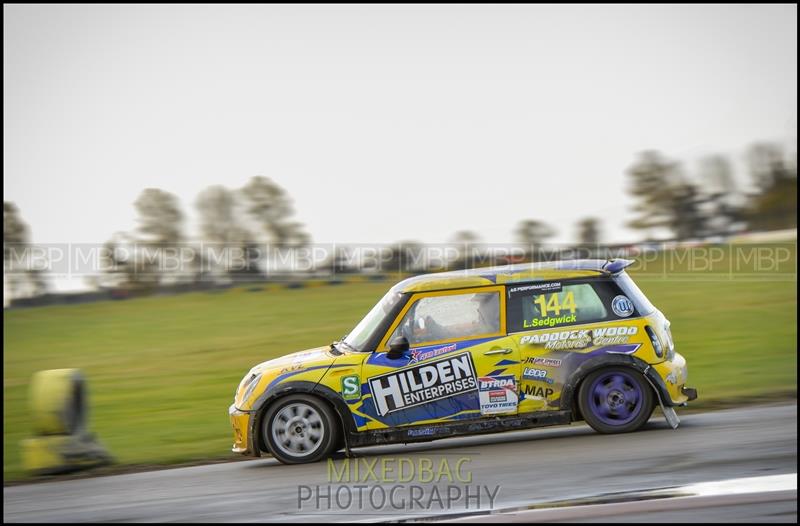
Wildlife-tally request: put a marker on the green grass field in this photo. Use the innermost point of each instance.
(162, 370)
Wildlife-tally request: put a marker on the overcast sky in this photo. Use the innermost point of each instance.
(384, 123)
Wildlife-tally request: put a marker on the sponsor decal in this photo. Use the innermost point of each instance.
(291, 369)
(547, 362)
(423, 384)
(536, 391)
(677, 377)
(537, 288)
(579, 339)
(421, 432)
(549, 322)
(498, 394)
(351, 387)
(613, 335)
(622, 306)
(418, 356)
(538, 375)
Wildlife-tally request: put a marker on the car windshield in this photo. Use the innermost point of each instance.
(358, 337)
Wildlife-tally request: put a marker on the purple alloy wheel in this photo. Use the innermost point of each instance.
(615, 398)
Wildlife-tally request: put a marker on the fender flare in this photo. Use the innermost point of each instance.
(571, 384)
(326, 394)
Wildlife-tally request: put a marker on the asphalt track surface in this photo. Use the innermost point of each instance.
(528, 467)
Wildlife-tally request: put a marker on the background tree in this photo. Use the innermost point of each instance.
(160, 217)
(686, 217)
(724, 211)
(118, 260)
(589, 231)
(652, 179)
(468, 249)
(18, 270)
(774, 206)
(270, 207)
(405, 256)
(222, 226)
(532, 234)
(161, 224)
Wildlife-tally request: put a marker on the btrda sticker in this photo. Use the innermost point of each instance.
(423, 384)
(498, 394)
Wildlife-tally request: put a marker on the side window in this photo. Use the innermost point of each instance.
(552, 304)
(454, 316)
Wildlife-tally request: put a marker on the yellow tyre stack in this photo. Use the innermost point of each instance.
(59, 410)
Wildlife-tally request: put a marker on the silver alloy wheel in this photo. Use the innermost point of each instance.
(297, 429)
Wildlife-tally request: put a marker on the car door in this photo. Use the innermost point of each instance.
(460, 363)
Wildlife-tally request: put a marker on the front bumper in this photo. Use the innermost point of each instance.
(240, 421)
(674, 374)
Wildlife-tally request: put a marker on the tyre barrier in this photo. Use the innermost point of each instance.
(59, 411)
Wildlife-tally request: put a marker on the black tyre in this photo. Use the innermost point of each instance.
(299, 428)
(616, 400)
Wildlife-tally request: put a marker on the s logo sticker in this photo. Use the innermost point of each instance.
(351, 387)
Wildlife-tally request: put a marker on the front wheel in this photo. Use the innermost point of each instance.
(615, 400)
(300, 429)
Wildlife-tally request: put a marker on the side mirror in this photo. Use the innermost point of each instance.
(397, 347)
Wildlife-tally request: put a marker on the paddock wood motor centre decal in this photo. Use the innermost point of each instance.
(423, 384)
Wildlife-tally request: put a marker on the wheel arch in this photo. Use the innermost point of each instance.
(321, 392)
(569, 392)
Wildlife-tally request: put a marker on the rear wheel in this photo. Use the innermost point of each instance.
(615, 400)
(299, 429)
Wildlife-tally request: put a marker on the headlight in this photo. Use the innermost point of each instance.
(655, 341)
(670, 343)
(249, 383)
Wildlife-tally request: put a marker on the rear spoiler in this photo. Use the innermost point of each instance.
(615, 266)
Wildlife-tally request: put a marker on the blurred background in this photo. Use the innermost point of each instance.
(190, 190)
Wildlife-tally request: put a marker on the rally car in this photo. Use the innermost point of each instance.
(467, 352)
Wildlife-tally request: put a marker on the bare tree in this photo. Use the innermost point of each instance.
(653, 179)
(723, 205)
(232, 243)
(270, 207)
(161, 224)
(589, 231)
(19, 270)
(775, 174)
(468, 248)
(160, 216)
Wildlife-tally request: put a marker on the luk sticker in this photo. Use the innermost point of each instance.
(622, 306)
(498, 394)
(423, 384)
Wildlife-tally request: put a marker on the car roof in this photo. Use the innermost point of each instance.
(521, 272)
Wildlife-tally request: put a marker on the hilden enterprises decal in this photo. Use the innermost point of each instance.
(498, 394)
(423, 384)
